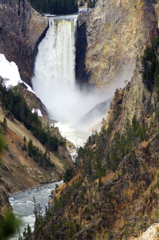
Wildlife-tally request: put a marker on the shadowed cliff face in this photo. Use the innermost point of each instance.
(21, 29)
(81, 45)
(115, 31)
(124, 202)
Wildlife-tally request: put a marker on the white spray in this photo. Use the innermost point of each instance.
(54, 79)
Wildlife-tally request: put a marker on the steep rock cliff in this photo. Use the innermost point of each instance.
(115, 31)
(33, 102)
(133, 100)
(4, 202)
(114, 190)
(21, 29)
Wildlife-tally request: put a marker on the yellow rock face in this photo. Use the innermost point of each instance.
(116, 30)
(152, 233)
(134, 100)
(21, 28)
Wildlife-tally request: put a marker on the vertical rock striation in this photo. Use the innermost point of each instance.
(115, 31)
(21, 29)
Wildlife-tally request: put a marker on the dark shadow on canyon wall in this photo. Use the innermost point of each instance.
(81, 45)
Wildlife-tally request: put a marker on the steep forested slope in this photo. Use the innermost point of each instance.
(114, 188)
(34, 153)
(114, 33)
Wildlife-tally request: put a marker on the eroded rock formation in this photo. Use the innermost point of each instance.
(21, 29)
(4, 202)
(114, 190)
(115, 31)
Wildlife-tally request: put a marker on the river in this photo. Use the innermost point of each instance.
(23, 204)
(55, 84)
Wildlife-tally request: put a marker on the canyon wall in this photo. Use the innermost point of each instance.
(114, 188)
(108, 38)
(21, 29)
(115, 31)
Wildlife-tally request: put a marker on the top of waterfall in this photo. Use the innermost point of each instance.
(63, 17)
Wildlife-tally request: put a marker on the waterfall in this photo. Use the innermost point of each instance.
(54, 73)
(54, 79)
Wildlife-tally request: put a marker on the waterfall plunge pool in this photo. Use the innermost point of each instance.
(54, 80)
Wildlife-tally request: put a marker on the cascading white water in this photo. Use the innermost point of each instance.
(54, 78)
(23, 205)
(55, 65)
(60, 41)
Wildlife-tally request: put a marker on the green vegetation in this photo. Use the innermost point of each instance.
(43, 159)
(151, 66)
(2, 143)
(8, 225)
(68, 174)
(94, 166)
(91, 3)
(90, 196)
(55, 6)
(108, 156)
(4, 125)
(122, 144)
(27, 232)
(15, 104)
(56, 210)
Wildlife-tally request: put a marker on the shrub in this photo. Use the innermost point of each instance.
(68, 174)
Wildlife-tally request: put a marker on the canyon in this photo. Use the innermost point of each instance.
(112, 191)
(108, 38)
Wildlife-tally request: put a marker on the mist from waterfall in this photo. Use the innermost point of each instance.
(54, 79)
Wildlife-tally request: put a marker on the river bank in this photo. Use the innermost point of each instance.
(23, 204)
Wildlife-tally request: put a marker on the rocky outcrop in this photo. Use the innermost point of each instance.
(34, 102)
(4, 202)
(151, 233)
(95, 114)
(119, 209)
(63, 151)
(21, 29)
(134, 100)
(19, 170)
(114, 190)
(115, 31)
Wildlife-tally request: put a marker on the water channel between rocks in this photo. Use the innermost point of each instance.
(23, 204)
(65, 102)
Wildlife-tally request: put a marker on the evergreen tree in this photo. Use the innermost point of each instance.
(4, 125)
(55, 6)
(81, 3)
(30, 147)
(99, 179)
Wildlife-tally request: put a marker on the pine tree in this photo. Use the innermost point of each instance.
(30, 147)
(99, 179)
(55, 6)
(4, 125)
